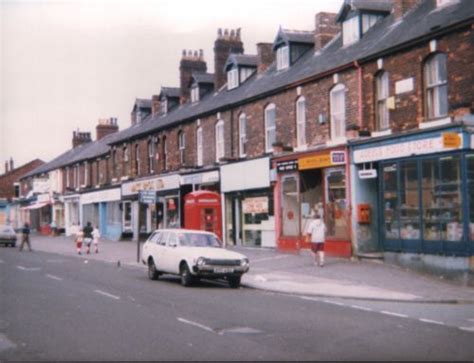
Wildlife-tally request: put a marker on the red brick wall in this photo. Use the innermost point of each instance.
(7, 180)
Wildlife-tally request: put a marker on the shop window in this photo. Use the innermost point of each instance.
(337, 215)
(256, 210)
(290, 206)
(390, 201)
(436, 86)
(127, 216)
(470, 193)
(448, 196)
(311, 194)
(431, 208)
(410, 224)
(113, 213)
(172, 212)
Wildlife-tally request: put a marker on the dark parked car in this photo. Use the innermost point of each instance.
(7, 235)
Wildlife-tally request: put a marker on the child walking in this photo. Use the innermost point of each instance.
(79, 238)
(317, 234)
(95, 237)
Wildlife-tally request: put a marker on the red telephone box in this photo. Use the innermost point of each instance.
(202, 211)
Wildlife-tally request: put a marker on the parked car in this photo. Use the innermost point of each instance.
(7, 235)
(192, 255)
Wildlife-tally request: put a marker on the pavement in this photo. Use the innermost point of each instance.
(296, 273)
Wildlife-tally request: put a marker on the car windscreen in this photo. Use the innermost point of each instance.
(198, 240)
(6, 229)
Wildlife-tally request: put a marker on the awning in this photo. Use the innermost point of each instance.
(35, 206)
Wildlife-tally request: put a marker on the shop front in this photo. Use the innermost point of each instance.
(72, 214)
(149, 204)
(40, 214)
(102, 209)
(247, 197)
(421, 193)
(309, 184)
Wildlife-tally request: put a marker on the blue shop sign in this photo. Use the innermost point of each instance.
(147, 196)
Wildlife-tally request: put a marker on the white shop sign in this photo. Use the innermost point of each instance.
(109, 195)
(163, 183)
(400, 150)
(251, 174)
(200, 178)
(43, 198)
(405, 85)
(41, 185)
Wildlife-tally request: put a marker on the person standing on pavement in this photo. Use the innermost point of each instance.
(88, 236)
(96, 236)
(316, 232)
(26, 237)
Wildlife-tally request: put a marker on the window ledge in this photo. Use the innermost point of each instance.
(381, 133)
(124, 178)
(301, 148)
(338, 141)
(434, 123)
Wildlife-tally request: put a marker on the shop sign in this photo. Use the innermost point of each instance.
(368, 174)
(288, 165)
(164, 183)
(245, 175)
(451, 140)
(403, 149)
(41, 185)
(201, 178)
(147, 196)
(322, 160)
(43, 198)
(255, 205)
(109, 195)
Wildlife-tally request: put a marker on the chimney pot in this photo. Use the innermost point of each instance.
(223, 47)
(326, 29)
(6, 167)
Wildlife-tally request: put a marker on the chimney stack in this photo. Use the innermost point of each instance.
(265, 56)
(11, 164)
(325, 30)
(227, 42)
(155, 105)
(191, 62)
(6, 166)
(106, 126)
(401, 7)
(79, 138)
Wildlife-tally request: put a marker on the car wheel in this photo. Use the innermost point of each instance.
(234, 281)
(153, 274)
(186, 277)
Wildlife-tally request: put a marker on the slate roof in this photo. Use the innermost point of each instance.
(201, 77)
(170, 92)
(386, 35)
(247, 60)
(143, 103)
(370, 5)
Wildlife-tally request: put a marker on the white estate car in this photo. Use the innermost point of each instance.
(192, 254)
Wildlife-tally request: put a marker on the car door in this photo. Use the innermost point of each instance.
(173, 255)
(150, 246)
(160, 252)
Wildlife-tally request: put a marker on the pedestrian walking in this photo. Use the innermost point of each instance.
(26, 237)
(96, 236)
(54, 229)
(87, 230)
(316, 233)
(79, 239)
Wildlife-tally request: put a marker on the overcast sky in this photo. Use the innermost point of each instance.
(65, 64)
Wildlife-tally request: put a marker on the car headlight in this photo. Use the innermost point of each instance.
(201, 261)
(244, 262)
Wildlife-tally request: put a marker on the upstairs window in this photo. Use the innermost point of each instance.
(381, 94)
(137, 159)
(165, 153)
(350, 30)
(245, 72)
(368, 21)
(436, 86)
(114, 163)
(220, 140)
(301, 122)
(151, 153)
(126, 160)
(233, 78)
(283, 57)
(67, 178)
(76, 176)
(199, 146)
(86, 174)
(182, 146)
(164, 106)
(195, 93)
(337, 99)
(243, 135)
(270, 127)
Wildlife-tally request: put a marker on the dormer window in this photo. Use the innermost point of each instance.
(233, 78)
(164, 106)
(195, 93)
(350, 30)
(444, 2)
(283, 57)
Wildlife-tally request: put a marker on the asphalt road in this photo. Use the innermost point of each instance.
(61, 308)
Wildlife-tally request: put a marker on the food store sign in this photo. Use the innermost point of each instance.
(322, 160)
(156, 184)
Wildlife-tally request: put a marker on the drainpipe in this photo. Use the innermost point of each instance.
(359, 103)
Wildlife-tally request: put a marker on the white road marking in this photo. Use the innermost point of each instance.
(28, 268)
(193, 323)
(393, 314)
(54, 277)
(107, 294)
(361, 308)
(334, 303)
(268, 258)
(309, 298)
(467, 328)
(431, 321)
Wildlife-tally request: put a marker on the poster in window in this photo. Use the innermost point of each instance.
(255, 205)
